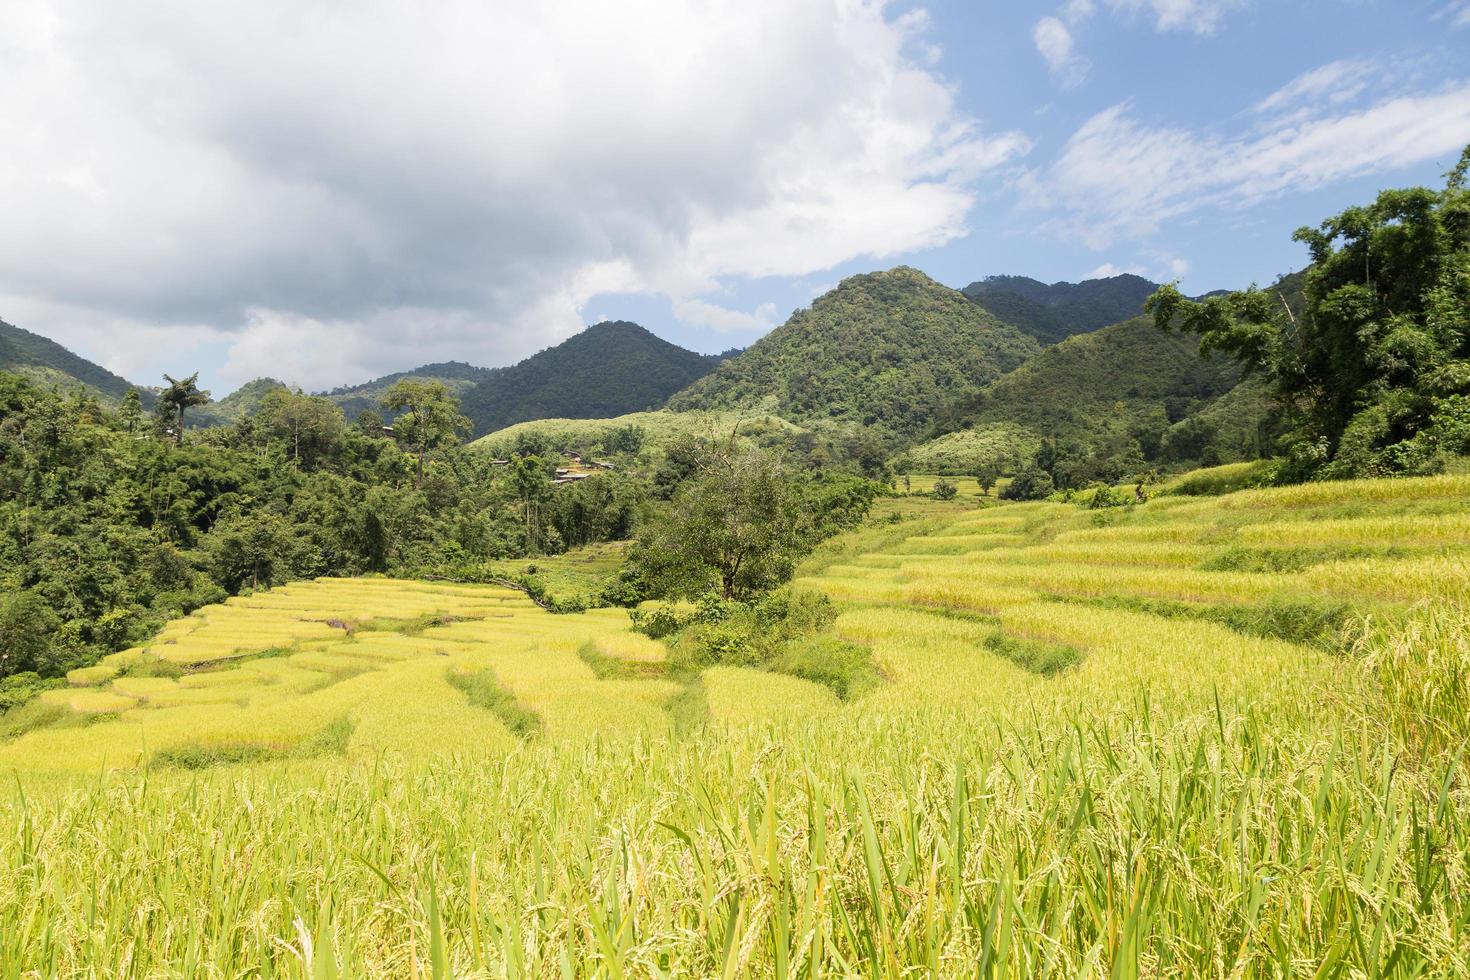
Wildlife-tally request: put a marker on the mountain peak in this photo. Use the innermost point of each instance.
(882, 348)
(1052, 313)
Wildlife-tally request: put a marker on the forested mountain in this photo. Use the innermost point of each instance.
(886, 349)
(457, 376)
(1125, 390)
(48, 363)
(609, 369)
(1053, 313)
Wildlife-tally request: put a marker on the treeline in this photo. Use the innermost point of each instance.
(112, 522)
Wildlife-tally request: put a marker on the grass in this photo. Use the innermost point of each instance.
(1079, 751)
(483, 690)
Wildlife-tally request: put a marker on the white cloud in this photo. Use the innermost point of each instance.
(1332, 84)
(337, 191)
(1456, 12)
(1120, 178)
(1194, 16)
(1054, 40)
(720, 319)
(1107, 270)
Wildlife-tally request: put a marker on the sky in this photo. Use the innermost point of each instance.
(325, 192)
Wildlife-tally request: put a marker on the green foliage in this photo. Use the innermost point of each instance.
(27, 630)
(176, 399)
(1031, 483)
(944, 490)
(785, 631)
(739, 523)
(1109, 395)
(883, 350)
(47, 362)
(1373, 371)
(1037, 656)
(1053, 313)
(428, 417)
(483, 690)
(607, 370)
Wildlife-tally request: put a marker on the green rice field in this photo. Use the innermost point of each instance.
(1201, 736)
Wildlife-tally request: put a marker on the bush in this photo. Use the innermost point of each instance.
(944, 490)
(1032, 483)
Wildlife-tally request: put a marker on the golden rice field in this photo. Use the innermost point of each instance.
(1215, 737)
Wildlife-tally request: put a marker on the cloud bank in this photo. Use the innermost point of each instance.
(332, 191)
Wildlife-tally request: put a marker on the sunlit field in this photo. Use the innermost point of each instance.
(1195, 737)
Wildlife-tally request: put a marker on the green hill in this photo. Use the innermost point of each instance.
(48, 363)
(609, 369)
(457, 375)
(886, 349)
(1103, 391)
(1052, 313)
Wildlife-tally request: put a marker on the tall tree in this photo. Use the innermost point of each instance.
(738, 526)
(309, 425)
(428, 417)
(130, 415)
(179, 396)
(1374, 371)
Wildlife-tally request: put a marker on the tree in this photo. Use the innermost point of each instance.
(428, 419)
(178, 397)
(944, 490)
(737, 525)
(1031, 483)
(130, 414)
(309, 425)
(528, 476)
(1372, 372)
(986, 474)
(27, 626)
(254, 550)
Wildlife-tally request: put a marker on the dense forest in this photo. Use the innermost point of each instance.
(884, 350)
(1052, 313)
(609, 369)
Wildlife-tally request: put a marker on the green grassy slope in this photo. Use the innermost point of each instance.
(885, 349)
(1101, 385)
(47, 362)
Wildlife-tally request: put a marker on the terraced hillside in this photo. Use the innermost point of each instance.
(1197, 736)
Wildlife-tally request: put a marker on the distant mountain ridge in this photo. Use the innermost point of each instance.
(609, 369)
(884, 349)
(46, 361)
(1052, 313)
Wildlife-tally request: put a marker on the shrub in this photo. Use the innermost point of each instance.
(944, 490)
(1032, 483)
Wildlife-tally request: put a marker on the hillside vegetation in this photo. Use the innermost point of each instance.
(1127, 388)
(48, 363)
(885, 350)
(606, 370)
(1252, 705)
(1052, 313)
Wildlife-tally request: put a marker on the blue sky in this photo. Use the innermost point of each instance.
(325, 193)
(1205, 83)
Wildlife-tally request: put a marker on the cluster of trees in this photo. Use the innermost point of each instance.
(1372, 374)
(111, 524)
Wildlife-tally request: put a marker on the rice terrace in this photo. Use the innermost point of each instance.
(1085, 732)
(429, 550)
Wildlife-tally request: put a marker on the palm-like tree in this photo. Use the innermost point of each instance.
(181, 395)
